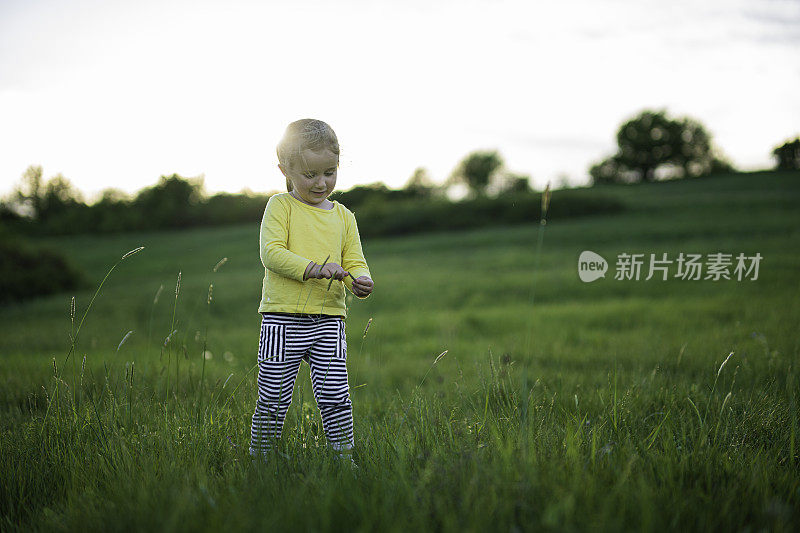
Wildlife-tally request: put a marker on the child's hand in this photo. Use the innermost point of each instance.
(362, 286)
(328, 271)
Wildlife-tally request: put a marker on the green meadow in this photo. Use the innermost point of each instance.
(560, 405)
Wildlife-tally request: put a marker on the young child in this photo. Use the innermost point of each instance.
(311, 251)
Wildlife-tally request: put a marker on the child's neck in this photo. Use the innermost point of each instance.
(325, 205)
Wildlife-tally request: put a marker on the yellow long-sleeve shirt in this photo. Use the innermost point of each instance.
(292, 235)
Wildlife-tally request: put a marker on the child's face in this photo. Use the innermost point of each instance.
(313, 175)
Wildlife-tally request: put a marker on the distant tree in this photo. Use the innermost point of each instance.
(608, 170)
(113, 196)
(29, 193)
(476, 171)
(168, 204)
(420, 183)
(41, 200)
(59, 195)
(788, 155)
(651, 141)
(372, 194)
(511, 183)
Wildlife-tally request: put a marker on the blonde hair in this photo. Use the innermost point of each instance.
(305, 134)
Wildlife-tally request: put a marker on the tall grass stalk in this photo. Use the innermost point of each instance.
(150, 320)
(74, 336)
(416, 389)
(714, 386)
(545, 205)
(209, 299)
(167, 343)
(360, 350)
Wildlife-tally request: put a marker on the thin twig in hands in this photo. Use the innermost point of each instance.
(323, 264)
(332, 278)
(331, 281)
(319, 269)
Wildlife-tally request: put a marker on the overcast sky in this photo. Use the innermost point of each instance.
(115, 94)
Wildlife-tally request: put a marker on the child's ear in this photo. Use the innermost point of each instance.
(289, 185)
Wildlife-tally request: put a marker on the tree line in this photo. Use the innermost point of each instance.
(651, 146)
(56, 207)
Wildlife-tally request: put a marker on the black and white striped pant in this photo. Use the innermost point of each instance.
(285, 341)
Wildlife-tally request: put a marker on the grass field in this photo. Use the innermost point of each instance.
(560, 405)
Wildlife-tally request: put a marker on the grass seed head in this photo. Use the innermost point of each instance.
(724, 363)
(124, 339)
(178, 285)
(169, 337)
(440, 356)
(724, 402)
(366, 329)
(72, 308)
(545, 199)
(210, 293)
(133, 252)
(158, 293)
(220, 263)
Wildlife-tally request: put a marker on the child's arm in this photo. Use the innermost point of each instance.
(353, 260)
(275, 255)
